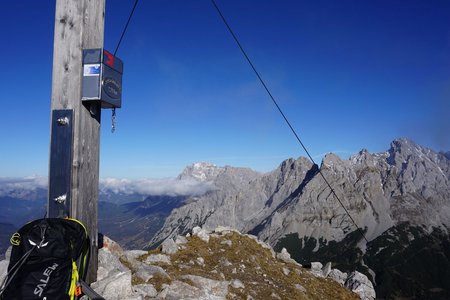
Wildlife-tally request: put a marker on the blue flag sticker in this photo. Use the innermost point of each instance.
(91, 70)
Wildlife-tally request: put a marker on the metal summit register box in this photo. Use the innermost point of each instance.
(102, 78)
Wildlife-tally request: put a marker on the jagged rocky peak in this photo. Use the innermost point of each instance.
(291, 163)
(404, 144)
(291, 169)
(332, 161)
(402, 149)
(361, 157)
(201, 171)
(418, 164)
(220, 176)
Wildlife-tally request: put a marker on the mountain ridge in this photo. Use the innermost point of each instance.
(400, 195)
(403, 189)
(290, 179)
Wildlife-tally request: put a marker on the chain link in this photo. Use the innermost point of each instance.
(113, 120)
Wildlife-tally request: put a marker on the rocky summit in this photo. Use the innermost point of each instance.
(214, 265)
(219, 264)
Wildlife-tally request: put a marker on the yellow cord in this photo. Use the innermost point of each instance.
(74, 281)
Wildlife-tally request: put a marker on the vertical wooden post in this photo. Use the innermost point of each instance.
(79, 24)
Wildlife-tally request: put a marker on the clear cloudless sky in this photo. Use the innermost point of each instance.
(348, 75)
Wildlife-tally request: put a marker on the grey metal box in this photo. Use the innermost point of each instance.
(102, 78)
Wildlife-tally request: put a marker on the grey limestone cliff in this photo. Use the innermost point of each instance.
(406, 183)
(401, 194)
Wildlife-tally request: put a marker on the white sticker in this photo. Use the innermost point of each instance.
(91, 70)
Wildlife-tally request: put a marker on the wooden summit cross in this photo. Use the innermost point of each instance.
(75, 125)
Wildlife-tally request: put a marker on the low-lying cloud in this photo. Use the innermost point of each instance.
(16, 187)
(22, 187)
(169, 186)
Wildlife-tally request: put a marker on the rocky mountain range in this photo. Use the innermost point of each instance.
(399, 199)
(408, 183)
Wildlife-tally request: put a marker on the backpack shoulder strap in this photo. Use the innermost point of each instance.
(13, 271)
(88, 291)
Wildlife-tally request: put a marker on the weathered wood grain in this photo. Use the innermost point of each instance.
(79, 24)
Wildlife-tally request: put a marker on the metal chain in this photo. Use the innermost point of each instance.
(113, 120)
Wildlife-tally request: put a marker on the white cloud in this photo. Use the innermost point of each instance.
(31, 183)
(169, 186)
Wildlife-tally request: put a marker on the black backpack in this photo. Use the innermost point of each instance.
(43, 263)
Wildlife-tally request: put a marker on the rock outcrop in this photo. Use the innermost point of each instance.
(222, 264)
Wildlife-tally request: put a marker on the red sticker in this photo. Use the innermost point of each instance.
(109, 58)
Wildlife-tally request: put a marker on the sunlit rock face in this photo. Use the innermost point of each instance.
(385, 194)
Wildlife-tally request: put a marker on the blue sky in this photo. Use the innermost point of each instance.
(348, 75)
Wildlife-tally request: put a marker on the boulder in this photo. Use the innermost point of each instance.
(135, 253)
(145, 290)
(180, 240)
(182, 290)
(212, 288)
(117, 286)
(108, 264)
(157, 258)
(169, 246)
(237, 284)
(338, 276)
(112, 246)
(203, 234)
(3, 269)
(361, 285)
(227, 242)
(316, 269)
(326, 269)
(286, 257)
(143, 270)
